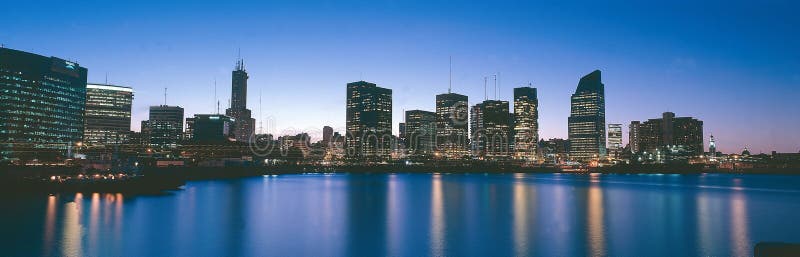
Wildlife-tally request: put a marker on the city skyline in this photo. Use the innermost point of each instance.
(736, 94)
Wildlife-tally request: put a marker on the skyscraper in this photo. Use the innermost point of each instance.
(368, 121)
(108, 114)
(614, 140)
(526, 123)
(587, 120)
(420, 132)
(491, 130)
(244, 124)
(42, 102)
(452, 135)
(712, 147)
(327, 135)
(165, 126)
(634, 136)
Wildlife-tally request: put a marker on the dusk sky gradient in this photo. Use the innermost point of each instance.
(733, 65)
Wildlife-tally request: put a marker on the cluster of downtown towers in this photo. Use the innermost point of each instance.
(489, 130)
(47, 104)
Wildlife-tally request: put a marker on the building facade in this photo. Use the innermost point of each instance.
(491, 130)
(634, 136)
(587, 120)
(327, 135)
(671, 135)
(526, 123)
(108, 114)
(244, 125)
(368, 121)
(614, 140)
(42, 103)
(210, 128)
(452, 126)
(420, 132)
(164, 129)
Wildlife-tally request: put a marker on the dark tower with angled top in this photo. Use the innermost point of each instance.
(587, 120)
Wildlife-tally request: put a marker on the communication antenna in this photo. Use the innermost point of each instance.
(106, 78)
(485, 94)
(215, 94)
(450, 83)
(498, 87)
(260, 114)
(495, 86)
(165, 96)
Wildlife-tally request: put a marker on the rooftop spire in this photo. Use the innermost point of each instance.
(239, 61)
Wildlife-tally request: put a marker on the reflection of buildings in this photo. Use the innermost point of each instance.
(491, 130)
(369, 121)
(108, 114)
(526, 123)
(587, 119)
(596, 221)
(164, 129)
(41, 105)
(451, 125)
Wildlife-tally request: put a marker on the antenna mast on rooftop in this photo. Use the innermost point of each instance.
(450, 83)
(495, 86)
(215, 94)
(485, 94)
(260, 114)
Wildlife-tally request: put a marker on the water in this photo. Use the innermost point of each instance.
(415, 215)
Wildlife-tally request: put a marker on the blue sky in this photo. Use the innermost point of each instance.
(734, 65)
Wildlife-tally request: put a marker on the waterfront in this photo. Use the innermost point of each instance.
(415, 215)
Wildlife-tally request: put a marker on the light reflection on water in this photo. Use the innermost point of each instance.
(417, 215)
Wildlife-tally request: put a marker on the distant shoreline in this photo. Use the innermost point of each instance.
(159, 179)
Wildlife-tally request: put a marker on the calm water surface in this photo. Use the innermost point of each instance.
(415, 215)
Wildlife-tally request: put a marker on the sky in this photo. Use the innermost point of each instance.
(733, 65)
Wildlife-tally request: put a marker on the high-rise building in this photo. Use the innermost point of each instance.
(42, 103)
(108, 114)
(402, 137)
(491, 130)
(677, 135)
(712, 147)
(327, 135)
(420, 132)
(452, 131)
(587, 120)
(210, 128)
(614, 140)
(244, 124)
(634, 136)
(165, 126)
(368, 121)
(526, 123)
